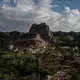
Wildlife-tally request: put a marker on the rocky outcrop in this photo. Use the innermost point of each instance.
(34, 43)
(43, 30)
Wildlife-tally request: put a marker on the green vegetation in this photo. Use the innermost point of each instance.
(15, 65)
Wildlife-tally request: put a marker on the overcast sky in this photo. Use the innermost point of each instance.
(60, 15)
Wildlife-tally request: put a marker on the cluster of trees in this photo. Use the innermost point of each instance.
(12, 35)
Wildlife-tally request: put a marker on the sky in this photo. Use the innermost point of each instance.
(60, 15)
(73, 4)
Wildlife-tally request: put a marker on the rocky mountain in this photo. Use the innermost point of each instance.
(38, 34)
(43, 30)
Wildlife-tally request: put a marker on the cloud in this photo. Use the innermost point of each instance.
(28, 12)
(70, 20)
(56, 5)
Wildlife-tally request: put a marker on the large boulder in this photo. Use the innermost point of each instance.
(43, 30)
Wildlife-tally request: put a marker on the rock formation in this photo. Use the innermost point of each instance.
(43, 30)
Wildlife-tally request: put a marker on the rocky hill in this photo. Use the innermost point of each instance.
(43, 30)
(38, 35)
